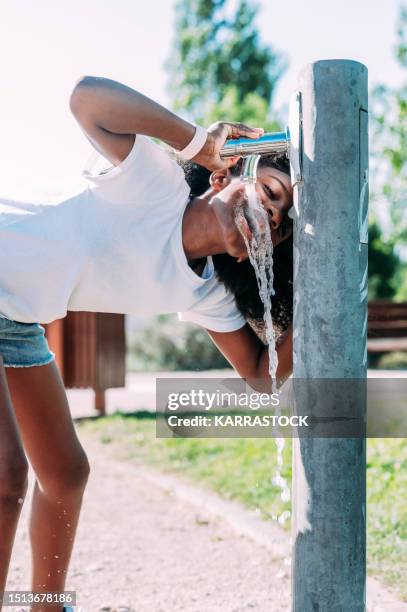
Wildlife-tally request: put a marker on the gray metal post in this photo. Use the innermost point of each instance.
(330, 315)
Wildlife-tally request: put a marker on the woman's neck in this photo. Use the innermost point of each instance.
(201, 235)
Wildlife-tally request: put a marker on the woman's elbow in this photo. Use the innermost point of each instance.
(80, 95)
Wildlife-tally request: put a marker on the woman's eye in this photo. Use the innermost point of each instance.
(269, 192)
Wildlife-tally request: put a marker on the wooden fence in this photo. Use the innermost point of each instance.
(90, 350)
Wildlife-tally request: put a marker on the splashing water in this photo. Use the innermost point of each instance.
(260, 251)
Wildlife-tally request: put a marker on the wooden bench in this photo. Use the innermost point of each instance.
(387, 326)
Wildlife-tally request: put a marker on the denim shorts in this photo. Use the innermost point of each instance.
(23, 345)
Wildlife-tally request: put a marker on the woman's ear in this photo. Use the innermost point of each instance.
(219, 179)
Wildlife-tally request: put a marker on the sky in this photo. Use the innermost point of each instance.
(46, 46)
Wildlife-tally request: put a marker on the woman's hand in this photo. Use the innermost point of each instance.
(218, 134)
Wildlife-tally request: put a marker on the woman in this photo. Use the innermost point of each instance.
(131, 242)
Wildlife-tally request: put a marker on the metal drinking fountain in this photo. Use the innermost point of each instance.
(288, 142)
(269, 143)
(277, 143)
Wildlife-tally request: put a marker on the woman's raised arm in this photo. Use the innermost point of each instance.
(111, 114)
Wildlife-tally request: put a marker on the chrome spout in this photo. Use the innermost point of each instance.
(249, 169)
(269, 143)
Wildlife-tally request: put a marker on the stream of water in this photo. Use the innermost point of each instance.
(260, 251)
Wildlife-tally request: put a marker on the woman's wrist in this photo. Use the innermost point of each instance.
(177, 133)
(195, 145)
(206, 154)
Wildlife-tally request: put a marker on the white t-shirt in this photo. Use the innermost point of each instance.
(114, 247)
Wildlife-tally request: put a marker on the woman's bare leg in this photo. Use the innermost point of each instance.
(13, 477)
(61, 469)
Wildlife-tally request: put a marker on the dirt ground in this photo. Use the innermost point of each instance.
(148, 542)
(140, 548)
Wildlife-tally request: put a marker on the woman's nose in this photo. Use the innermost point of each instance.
(275, 214)
(276, 217)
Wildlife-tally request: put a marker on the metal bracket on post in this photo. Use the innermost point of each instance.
(295, 131)
(363, 180)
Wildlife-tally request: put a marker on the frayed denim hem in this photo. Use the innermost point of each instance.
(49, 359)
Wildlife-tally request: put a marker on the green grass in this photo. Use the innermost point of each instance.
(243, 470)
(387, 511)
(393, 361)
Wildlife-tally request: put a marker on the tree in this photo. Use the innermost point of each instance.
(389, 172)
(384, 265)
(166, 344)
(219, 68)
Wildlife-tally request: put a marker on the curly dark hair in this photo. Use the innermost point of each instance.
(240, 278)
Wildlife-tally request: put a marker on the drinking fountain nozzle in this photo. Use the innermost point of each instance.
(289, 143)
(251, 149)
(269, 143)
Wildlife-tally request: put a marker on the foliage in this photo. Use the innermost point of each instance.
(393, 361)
(389, 166)
(253, 110)
(166, 344)
(387, 518)
(384, 265)
(219, 68)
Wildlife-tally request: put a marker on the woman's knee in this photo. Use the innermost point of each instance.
(65, 477)
(13, 477)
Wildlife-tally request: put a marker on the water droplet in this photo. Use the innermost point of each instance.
(20, 500)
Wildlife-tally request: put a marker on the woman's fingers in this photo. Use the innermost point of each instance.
(240, 130)
(218, 134)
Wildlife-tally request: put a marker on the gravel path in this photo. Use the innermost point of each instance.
(140, 548)
(149, 543)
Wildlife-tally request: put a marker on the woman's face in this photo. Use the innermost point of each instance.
(276, 194)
